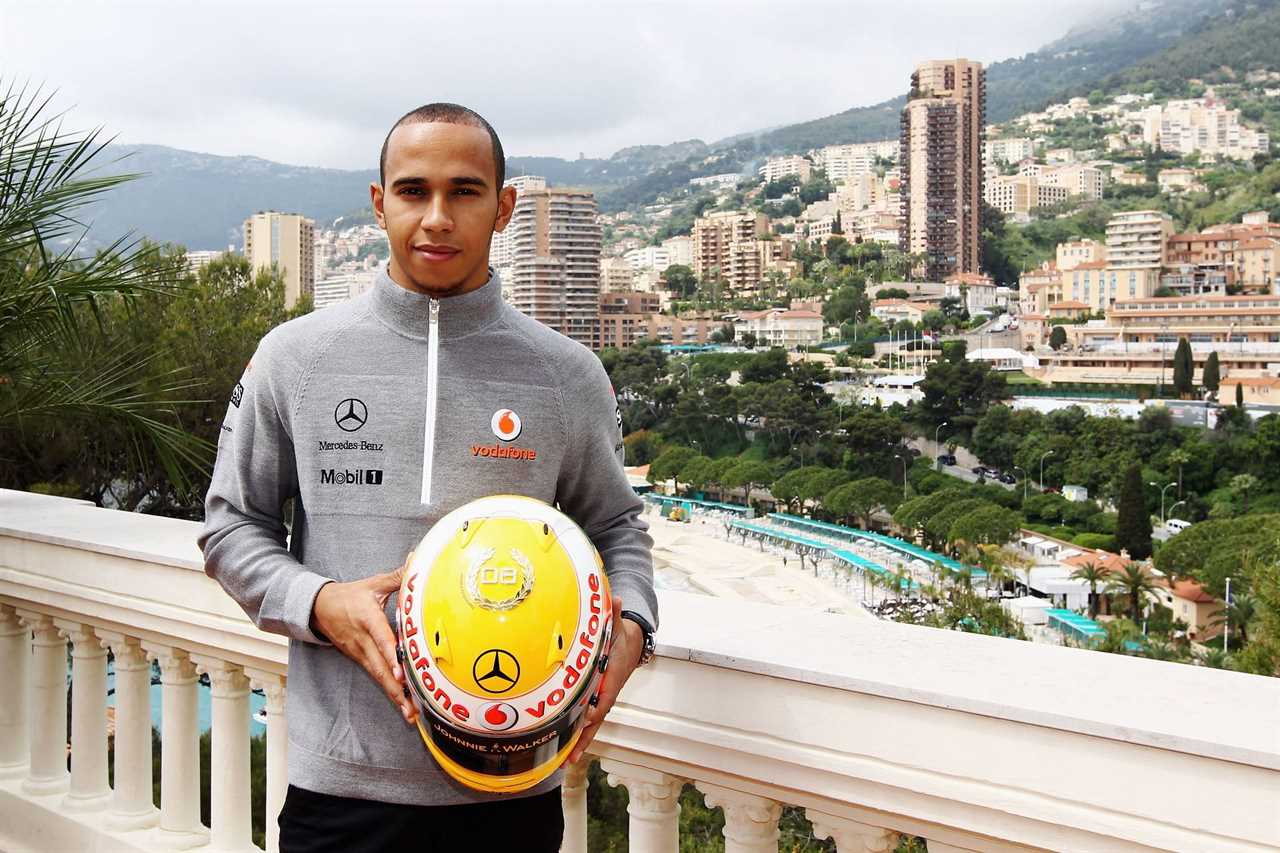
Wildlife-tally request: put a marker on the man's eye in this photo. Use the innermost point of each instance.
(411, 191)
(465, 191)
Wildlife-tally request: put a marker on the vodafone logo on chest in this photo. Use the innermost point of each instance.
(505, 424)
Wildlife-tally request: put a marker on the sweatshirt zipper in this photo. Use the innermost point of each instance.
(429, 427)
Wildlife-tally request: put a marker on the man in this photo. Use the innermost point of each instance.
(376, 418)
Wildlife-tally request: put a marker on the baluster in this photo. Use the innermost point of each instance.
(229, 806)
(15, 670)
(131, 806)
(750, 821)
(90, 789)
(573, 802)
(180, 825)
(47, 772)
(273, 686)
(653, 802)
(852, 836)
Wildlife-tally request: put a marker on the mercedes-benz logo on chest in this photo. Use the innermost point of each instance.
(350, 414)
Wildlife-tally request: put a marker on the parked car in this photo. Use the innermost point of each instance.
(982, 471)
(914, 451)
(1006, 478)
(1176, 525)
(947, 459)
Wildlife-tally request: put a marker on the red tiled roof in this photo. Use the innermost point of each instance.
(1192, 591)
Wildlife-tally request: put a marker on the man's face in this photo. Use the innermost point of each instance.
(440, 207)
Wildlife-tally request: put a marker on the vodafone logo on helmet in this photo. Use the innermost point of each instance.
(505, 424)
(498, 716)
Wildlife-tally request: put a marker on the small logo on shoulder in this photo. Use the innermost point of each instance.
(237, 394)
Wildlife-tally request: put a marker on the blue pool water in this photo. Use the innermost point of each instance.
(204, 705)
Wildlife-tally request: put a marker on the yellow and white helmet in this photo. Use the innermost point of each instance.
(504, 622)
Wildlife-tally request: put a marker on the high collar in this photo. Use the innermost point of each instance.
(409, 313)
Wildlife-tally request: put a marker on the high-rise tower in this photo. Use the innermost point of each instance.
(941, 162)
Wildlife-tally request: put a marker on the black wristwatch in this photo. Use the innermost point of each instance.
(646, 652)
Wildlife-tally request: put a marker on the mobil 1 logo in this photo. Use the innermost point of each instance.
(351, 477)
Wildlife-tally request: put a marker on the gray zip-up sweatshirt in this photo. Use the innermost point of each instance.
(377, 417)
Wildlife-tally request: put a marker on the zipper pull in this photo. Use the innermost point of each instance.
(435, 311)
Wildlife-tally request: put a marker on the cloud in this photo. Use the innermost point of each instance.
(319, 83)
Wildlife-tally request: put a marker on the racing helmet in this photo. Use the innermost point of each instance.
(503, 625)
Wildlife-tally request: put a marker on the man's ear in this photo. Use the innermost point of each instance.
(506, 207)
(376, 197)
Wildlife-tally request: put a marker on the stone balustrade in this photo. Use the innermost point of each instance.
(876, 730)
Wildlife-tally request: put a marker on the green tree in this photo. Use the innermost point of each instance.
(985, 525)
(1183, 365)
(669, 465)
(1092, 574)
(820, 484)
(787, 487)
(1239, 395)
(862, 498)
(747, 475)
(1241, 485)
(1133, 522)
(680, 280)
(61, 374)
(1212, 377)
(1135, 585)
(696, 473)
(1237, 616)
(1058, 337)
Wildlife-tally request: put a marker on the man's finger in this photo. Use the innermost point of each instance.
(378, 670)
(584, 741)
(387, 582)
(385, 641)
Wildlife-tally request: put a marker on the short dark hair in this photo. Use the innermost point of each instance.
(448, 114)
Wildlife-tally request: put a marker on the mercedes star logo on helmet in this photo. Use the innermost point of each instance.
(496, 670)
(350, 415)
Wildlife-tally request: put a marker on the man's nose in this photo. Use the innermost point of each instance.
(436, 215)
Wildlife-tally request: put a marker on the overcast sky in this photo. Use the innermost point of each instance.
(319, 83)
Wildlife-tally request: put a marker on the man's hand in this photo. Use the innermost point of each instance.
(624, 657)
(351, 616)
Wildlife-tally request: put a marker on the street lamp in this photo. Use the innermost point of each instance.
(1175, 506)
(903, 457)
(1042, 456)
(935, 437)
(1162, 491)
(1226, 618)
(1024, 481)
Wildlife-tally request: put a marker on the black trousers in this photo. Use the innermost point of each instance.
(318, 823)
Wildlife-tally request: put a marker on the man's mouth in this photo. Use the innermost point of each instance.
(435, 254)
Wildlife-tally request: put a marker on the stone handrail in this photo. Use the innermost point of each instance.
(875, 729)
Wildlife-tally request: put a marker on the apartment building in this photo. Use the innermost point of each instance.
(286, 240)
(626, 318)
(554, 244)
(1017, 195)
(1244, 254)
(727, 244)
(975, 291)
(1074, 252)
(776, 168)
(337, 289)
(616, 274)
(843, 162)
(897, 310)
(1008, 150)
(941, 164)
(781, 327)
(1079, 180)
(1136, 239)
(1138, 337)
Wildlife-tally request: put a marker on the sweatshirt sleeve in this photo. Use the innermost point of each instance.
(243, 539)
(593, 490)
